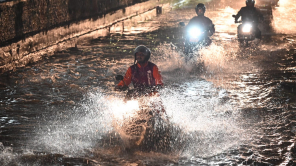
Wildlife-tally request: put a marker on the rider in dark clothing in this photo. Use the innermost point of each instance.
(250, 13)
(202, 20)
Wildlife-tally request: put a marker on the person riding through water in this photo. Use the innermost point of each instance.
(143, 75)
(203, 21)
(250, 13)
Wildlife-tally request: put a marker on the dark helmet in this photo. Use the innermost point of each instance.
(144, 50)
(200, 6)
(250, 2)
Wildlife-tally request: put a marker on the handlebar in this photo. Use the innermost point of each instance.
(141, 92)
(137, 92)
(124, 88)
(140, 89)
(236, 21)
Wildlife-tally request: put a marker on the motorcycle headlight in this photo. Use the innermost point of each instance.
(122, 110)
(194, 32)
(247, 28)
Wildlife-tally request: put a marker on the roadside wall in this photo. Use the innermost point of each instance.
(22, 18)
(44, 30)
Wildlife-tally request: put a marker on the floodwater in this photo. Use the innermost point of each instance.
(236, 109)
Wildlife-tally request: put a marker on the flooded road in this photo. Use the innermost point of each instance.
(237, 109)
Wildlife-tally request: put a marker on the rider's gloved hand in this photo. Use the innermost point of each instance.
(120, 88)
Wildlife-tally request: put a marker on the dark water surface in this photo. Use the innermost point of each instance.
(238, 109)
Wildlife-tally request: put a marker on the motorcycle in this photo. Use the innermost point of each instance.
(245, 32)
(148, 125)
(196, 37)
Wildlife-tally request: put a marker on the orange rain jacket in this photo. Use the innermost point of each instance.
(138, 74)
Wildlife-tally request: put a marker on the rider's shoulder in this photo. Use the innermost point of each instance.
(208, 18)
(194, 18)
(200, 18)
(132, 67)
(152, 64)
(244, 8)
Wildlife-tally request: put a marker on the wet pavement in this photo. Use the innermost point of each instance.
(238, 108)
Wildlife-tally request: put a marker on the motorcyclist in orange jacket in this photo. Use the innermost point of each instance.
(143, 73)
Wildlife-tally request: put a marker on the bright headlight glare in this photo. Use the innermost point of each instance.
(122, 110)
(247, 28)
(194, 32)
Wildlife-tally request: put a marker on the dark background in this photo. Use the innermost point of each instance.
(21, 19)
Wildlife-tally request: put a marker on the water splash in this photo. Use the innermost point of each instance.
(195, 105)
(217, 58)
(7, 156)
(283, 21)
(203, 123)
(167, 57)
(74, 130)
(209, 126)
